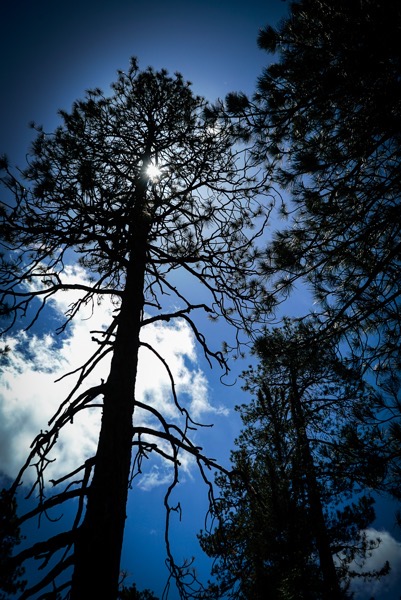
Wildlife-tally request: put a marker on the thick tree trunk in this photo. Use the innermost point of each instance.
(98, 548)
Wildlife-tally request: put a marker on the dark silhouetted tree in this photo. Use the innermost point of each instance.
(134, 187)
(329, 116)
(284, 525)
(327, 113)
(10, 537)
(132, 593)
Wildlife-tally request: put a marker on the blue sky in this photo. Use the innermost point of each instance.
(50, 53)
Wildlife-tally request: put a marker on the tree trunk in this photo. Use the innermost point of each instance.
(100, 538)
(332, 590)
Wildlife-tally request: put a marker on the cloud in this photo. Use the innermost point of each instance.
(28, 399)
(29, 395)
(176, 345)
(154, 478)
(388, 550)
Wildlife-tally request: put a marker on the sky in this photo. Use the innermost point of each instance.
(50, 53)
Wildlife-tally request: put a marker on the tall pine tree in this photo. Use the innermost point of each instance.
(135, 187)
(284, 525)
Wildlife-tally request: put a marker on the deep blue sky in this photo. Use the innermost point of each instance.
(51, 51)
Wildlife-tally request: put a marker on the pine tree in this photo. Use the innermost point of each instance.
(10, 537)
(135, 187)
(327, 113)
(285, 524)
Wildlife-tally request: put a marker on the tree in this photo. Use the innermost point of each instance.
(327, 113)
(285, 522)
(384, 454)
(10, 536)
(132, 593)
(135, 187)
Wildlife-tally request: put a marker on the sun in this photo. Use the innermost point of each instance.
(153, 172)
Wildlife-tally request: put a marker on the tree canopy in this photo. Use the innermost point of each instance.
(327, 115)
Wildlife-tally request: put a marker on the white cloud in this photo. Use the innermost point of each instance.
(29, 395)
(388, 550)
(154, 478)
(28, 399)
(176, 345)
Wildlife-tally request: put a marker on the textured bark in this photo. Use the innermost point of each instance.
(100, 538)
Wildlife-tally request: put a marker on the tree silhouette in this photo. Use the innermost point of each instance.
(341, 123)
(327, 112)
(135, 187)
(132, 593)
(284, 521)
(10, 536)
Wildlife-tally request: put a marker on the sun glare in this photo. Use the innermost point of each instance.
(153, 172)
